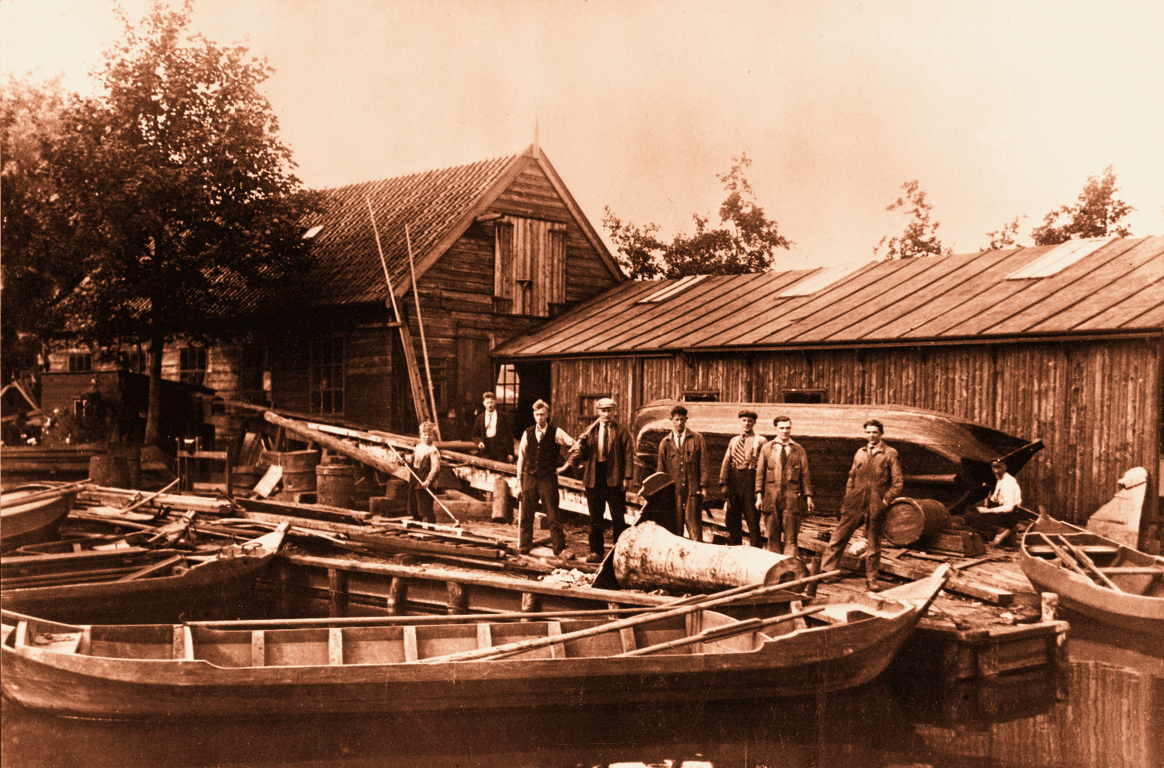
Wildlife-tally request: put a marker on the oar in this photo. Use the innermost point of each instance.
(719, 633)
(150, 498)
(509, 649)
(1086, 560)
(461, 618)
(1068, 561)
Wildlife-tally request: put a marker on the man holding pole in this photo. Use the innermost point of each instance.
(538, 458)
(607, 455)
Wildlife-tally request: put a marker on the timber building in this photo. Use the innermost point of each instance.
(1059, 343)
(496, 247)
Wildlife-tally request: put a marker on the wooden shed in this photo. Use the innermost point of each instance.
(496, 247)
(1063, 344)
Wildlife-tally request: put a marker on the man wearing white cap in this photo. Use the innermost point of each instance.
(606, 453)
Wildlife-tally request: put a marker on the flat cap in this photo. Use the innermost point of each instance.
(748, 414)
(606, 402)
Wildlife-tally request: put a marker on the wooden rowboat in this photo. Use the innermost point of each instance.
(34, 513)
(1095, 576)
(400, 664)
(182, 583)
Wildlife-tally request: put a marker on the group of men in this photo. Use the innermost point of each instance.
(762, 481)
(605, 452)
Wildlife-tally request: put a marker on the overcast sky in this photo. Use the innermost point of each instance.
(997, 108)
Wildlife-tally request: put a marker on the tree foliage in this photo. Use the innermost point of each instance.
(175, 192)
(1096, 214)
(920, 237)
(29, 120)
(745, 240)
(1004, 237)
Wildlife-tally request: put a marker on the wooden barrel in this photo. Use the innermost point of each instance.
(911, 520)
(108, 470)
(650, 557)
(298, 468)
(335, 485)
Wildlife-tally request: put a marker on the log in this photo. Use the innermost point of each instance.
(339, 446)
(649, 557)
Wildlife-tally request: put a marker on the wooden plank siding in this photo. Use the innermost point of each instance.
(1095, 405)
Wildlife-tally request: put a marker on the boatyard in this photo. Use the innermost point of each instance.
(340, 426)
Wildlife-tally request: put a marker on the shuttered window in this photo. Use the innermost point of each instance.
(529, 274)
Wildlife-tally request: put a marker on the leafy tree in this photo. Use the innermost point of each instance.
(1097, 214)
(177, 191)
(920, 237)
(1005, 237)
(744, 241)
(29, 117)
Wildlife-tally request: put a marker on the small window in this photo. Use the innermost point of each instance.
(80, 362)
(672, 290)
(700, 396)
(192, 365)
(327, 377)
(809, 396)
(586, 412)
(507, 388)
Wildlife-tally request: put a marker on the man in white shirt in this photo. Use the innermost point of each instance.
(493, 431)
(1001, 512)
(538, 465)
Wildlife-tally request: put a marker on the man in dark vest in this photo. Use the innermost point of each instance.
(493, 431)
(538, 466)
(606, 452)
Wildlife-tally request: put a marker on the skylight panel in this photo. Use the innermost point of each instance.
(668, 291)
(821, 279)
(1059, 258)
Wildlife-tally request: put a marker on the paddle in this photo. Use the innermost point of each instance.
(701, 604)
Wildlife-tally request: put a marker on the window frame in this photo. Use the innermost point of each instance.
(189, 372)
(320, 388)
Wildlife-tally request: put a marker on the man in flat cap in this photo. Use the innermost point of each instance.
(606, 453)
(783, 488)
(737, 480)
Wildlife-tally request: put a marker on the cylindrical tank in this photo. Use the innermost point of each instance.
(650, 557)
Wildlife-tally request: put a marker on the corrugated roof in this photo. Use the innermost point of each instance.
(1118, 287)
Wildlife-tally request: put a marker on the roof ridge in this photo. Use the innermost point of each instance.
(504, 159)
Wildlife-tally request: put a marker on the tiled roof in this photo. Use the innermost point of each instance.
(436, 205)
(1117, 287)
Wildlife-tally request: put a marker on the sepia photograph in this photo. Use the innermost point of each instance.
(581, 383)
